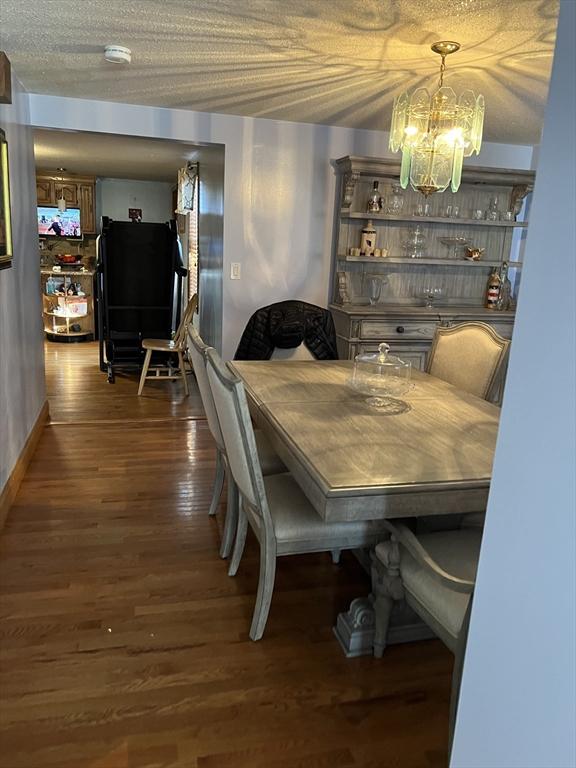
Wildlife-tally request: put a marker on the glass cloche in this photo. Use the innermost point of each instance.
(381, 376)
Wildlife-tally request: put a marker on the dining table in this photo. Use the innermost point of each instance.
(430, 456)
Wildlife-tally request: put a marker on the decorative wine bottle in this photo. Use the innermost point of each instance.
(368, 239)
(493, 290)
(374, 201)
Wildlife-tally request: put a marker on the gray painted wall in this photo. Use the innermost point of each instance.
(22, 391)
(278, 191)
(115, 196)
(210, 244)
(518, 699)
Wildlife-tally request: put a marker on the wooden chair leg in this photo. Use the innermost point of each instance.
(231, 522)
(241, 530)
(183, 372)
(144, 371)
(218, 483)
(265, 590)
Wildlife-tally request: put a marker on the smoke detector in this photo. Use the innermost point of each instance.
(117, 54)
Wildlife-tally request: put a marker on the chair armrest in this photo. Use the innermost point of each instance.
(408, 540)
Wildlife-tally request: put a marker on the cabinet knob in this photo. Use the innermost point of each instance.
(400, 329)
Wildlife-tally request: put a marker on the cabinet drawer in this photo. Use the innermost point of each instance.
(410, 353)
(398, 329)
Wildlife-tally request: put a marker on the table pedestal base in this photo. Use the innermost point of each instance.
(354, 629)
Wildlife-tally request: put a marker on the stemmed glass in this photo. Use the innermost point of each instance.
(430, 294)
(455, 244)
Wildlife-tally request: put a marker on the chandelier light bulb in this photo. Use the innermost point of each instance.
(435, 132)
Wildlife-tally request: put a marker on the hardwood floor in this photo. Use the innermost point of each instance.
(124, 644)
(79, 393)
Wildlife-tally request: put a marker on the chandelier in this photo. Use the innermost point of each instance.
(436, 132)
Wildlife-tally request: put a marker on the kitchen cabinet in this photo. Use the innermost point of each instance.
(86, 204)
(68, 191)
(45, 191)
(77, 191)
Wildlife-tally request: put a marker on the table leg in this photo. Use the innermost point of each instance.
(355, 628)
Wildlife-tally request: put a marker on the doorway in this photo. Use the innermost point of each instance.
(131, 178)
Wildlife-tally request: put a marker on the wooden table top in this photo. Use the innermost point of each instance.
(356, 463)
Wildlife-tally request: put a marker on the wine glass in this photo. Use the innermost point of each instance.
(430, 294)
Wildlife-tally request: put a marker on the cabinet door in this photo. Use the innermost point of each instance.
(68, 190)
(45, 191)
(87, 216)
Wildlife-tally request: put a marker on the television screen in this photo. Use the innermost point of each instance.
(55, 223)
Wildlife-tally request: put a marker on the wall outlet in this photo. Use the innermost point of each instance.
(235, 270)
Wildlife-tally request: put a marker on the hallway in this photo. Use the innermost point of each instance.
(124, 644)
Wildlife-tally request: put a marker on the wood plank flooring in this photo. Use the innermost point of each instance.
(123, 642)
(77, 392)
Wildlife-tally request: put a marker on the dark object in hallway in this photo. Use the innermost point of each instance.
(139, 279)
(286, 325)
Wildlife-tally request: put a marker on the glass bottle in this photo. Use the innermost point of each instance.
(505, 292)
(415, 244)
(492, 213)
(395, 203)
(374, 201)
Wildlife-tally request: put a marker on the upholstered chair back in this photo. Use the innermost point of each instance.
(470, 356)
(180, 335)
(238, 434)
(197, 350)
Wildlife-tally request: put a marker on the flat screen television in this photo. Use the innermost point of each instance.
(55, 223)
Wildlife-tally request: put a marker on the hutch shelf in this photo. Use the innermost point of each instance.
(399, 317)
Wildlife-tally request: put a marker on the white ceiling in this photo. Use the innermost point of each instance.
(328, 61)
(111, 156)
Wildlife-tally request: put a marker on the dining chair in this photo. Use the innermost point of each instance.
(269, 459)
(175, 346)
(275, 507)
(470, 356)
(435, 573)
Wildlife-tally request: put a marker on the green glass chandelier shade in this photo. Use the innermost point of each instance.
(435, 132)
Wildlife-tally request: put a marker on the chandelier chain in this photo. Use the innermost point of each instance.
(442, 70)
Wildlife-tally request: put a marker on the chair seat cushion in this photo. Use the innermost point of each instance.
(160, 345)
(457, 553)
(270, 462)
(296, 521)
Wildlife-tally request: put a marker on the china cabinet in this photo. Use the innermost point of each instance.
(433, 256)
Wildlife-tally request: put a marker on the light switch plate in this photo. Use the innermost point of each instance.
(235, 270)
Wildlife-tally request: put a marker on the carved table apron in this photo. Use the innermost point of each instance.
(354, 463)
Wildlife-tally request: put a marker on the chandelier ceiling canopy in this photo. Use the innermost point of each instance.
(436, 131)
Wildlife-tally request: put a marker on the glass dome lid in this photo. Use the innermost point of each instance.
(381, 375)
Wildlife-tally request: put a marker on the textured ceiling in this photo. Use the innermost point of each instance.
(327, 61)
(109, 155)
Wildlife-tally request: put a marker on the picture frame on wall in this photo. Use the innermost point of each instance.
(5, 218)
